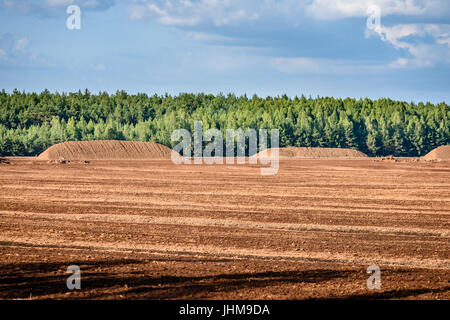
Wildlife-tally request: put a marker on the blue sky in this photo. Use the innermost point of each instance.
(267, 47)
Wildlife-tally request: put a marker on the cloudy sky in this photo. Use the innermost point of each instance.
(268, 47)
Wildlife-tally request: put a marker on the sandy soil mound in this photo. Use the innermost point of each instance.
(105, 149)
(302, 152)
(440, 153)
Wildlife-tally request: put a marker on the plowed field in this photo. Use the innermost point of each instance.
(148, 229)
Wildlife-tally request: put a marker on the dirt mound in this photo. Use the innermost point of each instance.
(440, 153)
(105, 149)
(303, 152)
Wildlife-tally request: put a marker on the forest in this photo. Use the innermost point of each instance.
(31, 122)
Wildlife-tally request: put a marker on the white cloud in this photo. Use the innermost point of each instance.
(411, 37)
(308, 65)
(242, 12)
(192, 13)
(14, 49)
(207, 37)
(341, 9)
(98, 67)
(210, 15)
(421, 45)
(59, 3)
(444, 41)
(47, 8)
(20, 44)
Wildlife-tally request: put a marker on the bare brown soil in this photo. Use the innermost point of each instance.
(440, 153)
(312, 153)
(148, 229)
(105, 149)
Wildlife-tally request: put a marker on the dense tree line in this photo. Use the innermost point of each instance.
(31, 122)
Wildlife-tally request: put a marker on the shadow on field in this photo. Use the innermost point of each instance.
(199, 287)
(131, 279)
